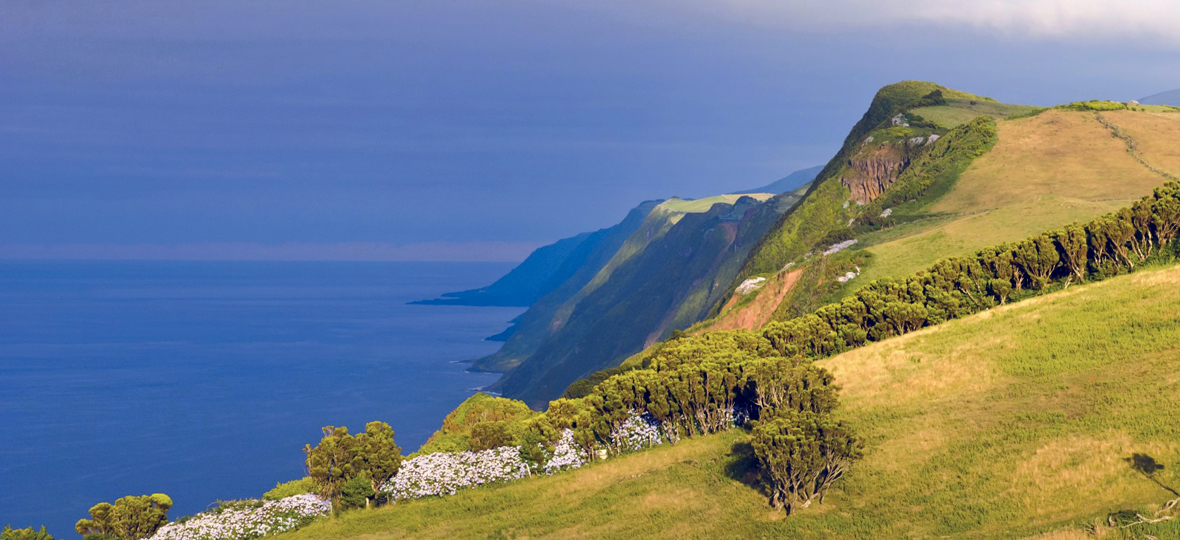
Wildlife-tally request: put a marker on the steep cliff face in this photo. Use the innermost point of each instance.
(552, 266)
(872, 170)
(599, 252)
(671, 283)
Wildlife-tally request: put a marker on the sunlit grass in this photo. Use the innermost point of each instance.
(1010, 423)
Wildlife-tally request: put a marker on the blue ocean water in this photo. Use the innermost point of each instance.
(204, 380)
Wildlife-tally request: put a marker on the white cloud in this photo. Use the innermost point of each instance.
(1155, 21)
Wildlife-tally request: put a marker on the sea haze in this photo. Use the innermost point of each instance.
(204, 380)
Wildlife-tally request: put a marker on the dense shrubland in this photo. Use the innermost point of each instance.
(27, 533)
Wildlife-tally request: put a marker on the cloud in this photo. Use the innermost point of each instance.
(1067, 20)
(345, 251)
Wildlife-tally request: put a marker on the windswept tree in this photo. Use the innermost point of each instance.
(378, 456)
(130, 518)
(332, 462)
(801, 455)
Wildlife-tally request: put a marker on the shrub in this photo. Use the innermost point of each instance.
(24, 534)
(801, 455)
(356, 493)
(283, 490)
(488, 435)
(130, 518)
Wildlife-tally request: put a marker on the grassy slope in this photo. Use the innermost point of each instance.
(1046, 170)
(961, 111)
(1156, 133)
(822, 210)
(1006, 424)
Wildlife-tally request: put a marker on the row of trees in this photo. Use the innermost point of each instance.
(1109, 245)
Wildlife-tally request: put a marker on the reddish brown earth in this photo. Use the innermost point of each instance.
(757, 313)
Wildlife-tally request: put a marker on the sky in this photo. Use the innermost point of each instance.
(479, 129)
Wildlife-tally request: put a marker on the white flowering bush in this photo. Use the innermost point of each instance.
(566, 454)
(839, 246)
(246, 520)
(637, 433)
(444, 473)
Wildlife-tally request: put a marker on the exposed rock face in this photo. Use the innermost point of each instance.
(874, 171)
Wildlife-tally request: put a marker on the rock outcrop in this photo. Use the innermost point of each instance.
(871, 172)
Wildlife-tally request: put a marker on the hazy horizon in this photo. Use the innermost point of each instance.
(466, 130)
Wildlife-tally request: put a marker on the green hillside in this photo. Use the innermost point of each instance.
(998, 425)
(550, 267)
(1034, 170)
(694, 255)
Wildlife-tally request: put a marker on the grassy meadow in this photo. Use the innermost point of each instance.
(1018, 422)
(961, 111)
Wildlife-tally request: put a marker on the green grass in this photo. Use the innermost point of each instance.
(961, 111)
(1007, 424)
(919, 244)
(703, 205)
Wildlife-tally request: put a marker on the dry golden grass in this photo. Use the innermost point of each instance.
(1062, 153)
(1157, 135)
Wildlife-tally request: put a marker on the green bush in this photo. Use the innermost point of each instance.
(1094, 105)
(283, 490)
(24, 534)
(130, 518)
(356, 493)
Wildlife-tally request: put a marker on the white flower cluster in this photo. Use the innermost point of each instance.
(750, 285)
(638, 432)
(849, 276)
(247, 521)
(444, 473)
(566, 455)
(841, 246)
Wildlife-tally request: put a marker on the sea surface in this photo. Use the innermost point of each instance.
(203, 380)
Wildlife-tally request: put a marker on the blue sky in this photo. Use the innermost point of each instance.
(428, 130)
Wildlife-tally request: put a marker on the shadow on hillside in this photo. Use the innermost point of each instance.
(743, 466)
(1148, 466)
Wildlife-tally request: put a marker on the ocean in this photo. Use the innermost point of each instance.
(203, 380)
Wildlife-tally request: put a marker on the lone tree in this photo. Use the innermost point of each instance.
(130, 518)
(802, 454)
(379, 456)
